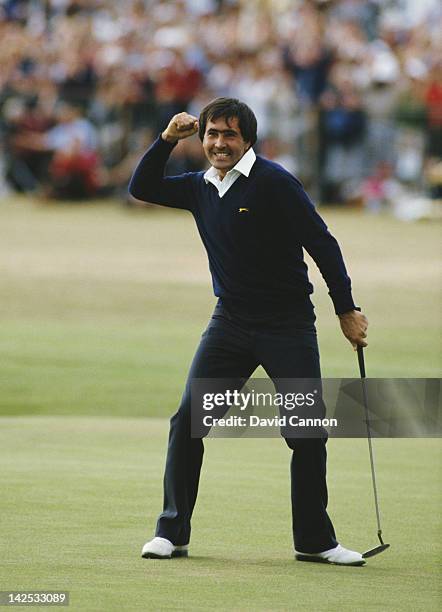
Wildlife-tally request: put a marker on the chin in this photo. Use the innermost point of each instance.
(219, 165)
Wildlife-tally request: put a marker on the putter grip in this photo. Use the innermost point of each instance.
(361, 361)
(360, 351)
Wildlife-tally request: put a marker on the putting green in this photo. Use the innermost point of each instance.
(80, 497)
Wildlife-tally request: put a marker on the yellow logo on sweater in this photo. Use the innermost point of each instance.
(243, 210)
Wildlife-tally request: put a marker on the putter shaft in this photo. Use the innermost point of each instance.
(382, 547)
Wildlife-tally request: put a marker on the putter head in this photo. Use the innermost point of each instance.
(375, 551)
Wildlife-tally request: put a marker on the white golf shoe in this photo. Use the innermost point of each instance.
(160, 548)
(337, 556)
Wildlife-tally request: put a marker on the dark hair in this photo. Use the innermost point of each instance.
(229, 108)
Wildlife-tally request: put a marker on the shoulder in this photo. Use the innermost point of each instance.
(195, 183)
(193, 178)
(281, 187)
(274, 174)
(196, 178)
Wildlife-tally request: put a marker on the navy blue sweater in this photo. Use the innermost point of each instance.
(255, 256)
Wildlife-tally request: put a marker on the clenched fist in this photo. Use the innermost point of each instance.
(180, 126)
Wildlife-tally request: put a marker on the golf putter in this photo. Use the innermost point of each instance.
(377, 549)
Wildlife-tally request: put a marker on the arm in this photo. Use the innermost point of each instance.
(148, 182)
(313, 234)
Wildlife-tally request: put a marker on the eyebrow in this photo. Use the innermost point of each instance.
(231, 130)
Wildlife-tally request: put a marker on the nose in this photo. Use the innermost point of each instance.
(219, 143)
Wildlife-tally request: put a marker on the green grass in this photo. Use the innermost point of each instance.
(101, 309)
(83, 494)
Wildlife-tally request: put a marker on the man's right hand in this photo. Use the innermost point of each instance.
(180, 126)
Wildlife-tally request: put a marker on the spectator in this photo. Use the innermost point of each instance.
(433, 101)
(381, 98)
(25, 166)
(342, 130)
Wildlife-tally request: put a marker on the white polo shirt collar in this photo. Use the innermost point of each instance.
(243, 166)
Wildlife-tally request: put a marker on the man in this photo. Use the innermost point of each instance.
(254, 218)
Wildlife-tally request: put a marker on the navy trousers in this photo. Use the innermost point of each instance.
(232, 347)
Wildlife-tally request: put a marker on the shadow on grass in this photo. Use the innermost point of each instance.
(221, 562)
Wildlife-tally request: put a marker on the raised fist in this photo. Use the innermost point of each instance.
(180, 126)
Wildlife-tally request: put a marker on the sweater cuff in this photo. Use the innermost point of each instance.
(342, 301)
(164, 143)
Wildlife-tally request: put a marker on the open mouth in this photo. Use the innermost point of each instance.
(222, 155)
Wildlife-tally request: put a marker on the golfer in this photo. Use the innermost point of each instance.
(254, 219)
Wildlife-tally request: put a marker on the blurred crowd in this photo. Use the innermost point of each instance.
(347, 93)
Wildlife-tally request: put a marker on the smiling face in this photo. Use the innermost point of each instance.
(223, 144)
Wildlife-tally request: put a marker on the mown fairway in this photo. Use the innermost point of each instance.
(101, 310)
